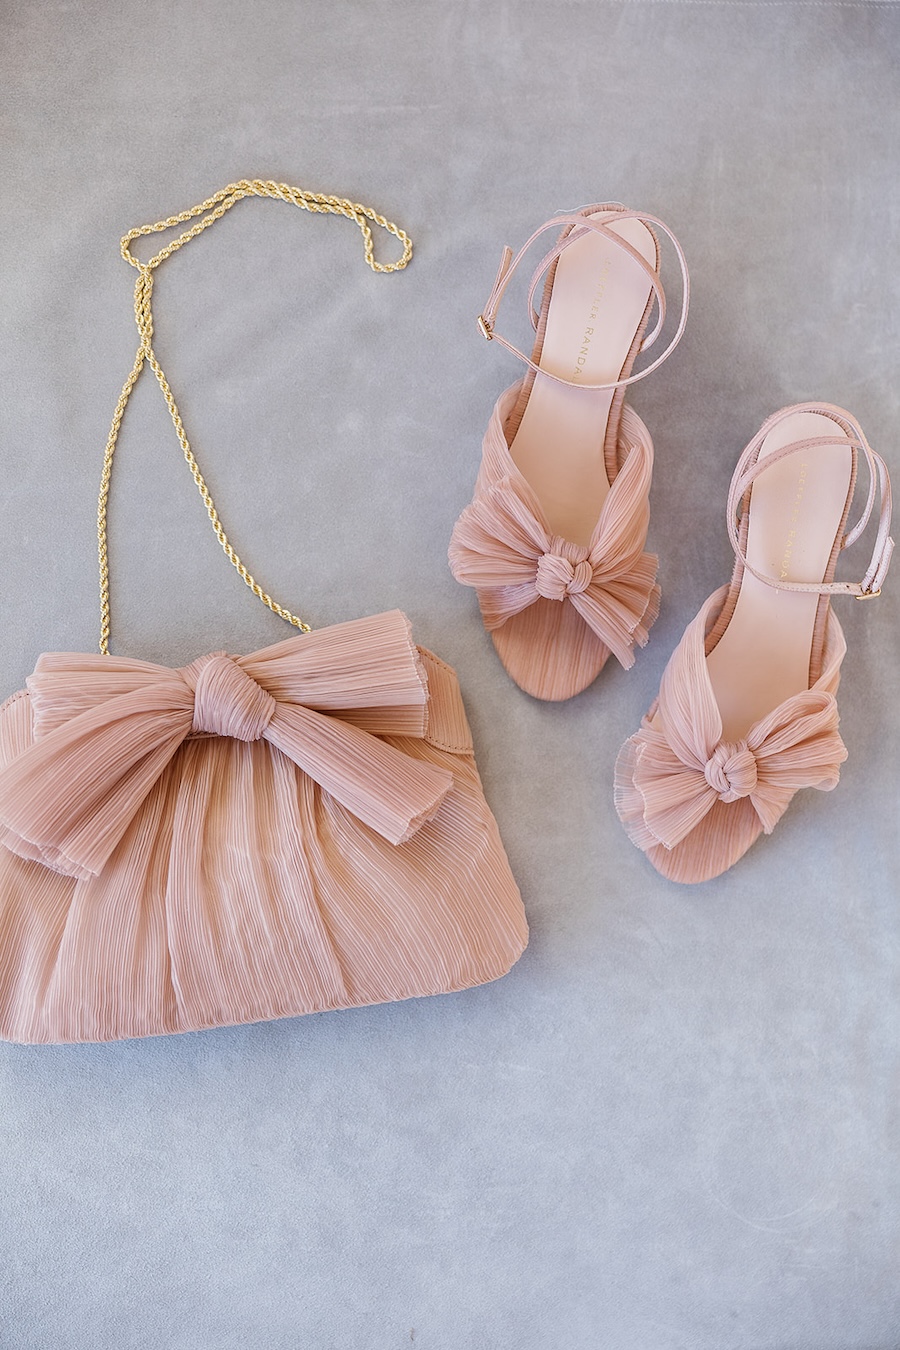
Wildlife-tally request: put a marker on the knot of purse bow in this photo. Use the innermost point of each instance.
(228, 701)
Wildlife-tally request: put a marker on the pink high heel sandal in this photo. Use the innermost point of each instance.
(553, 542)
(746, 713)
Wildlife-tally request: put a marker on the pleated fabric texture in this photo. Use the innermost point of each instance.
(243, 838)
(555, 610)
(695, 803)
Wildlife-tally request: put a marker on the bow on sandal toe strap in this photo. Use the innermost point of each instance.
(553, 542)
(679, 771)
(503, 546)
(747, 712)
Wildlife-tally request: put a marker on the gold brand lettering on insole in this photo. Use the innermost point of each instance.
(795, 516)
(581, 359)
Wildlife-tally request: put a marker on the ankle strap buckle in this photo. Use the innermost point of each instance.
(868, 595)
(486, 328)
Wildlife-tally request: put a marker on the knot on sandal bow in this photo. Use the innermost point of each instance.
(731, 771)
(556, 577)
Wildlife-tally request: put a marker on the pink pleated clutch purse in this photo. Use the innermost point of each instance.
(246, 837)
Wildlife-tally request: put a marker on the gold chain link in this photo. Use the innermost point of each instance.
(215, 207)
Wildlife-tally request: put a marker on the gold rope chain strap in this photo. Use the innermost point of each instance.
(215, 207)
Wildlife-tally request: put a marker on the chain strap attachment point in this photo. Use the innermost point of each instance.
(210, 211)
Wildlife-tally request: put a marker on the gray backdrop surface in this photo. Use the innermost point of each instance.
(674, 1124)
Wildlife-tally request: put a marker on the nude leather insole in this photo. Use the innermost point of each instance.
(598, 300)
(796, 509)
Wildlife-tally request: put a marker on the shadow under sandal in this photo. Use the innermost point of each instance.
(746, 713)
(553, 542)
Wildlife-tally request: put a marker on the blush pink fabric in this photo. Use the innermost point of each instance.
(604, 595)
(244, 838)
(695, 803)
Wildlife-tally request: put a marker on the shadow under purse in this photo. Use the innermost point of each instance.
(246, 837)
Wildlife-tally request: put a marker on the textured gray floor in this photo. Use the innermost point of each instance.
(674, 1125)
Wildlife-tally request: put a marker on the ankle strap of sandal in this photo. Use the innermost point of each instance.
(583, 224)
(750, 467)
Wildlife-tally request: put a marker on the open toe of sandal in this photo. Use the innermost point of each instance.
(553, 541)
(746, 714)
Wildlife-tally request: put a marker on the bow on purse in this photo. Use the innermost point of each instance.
(105, 728)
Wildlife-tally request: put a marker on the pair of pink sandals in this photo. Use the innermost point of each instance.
(553, 544)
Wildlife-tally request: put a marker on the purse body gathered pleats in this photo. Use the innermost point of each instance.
(245, 837)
